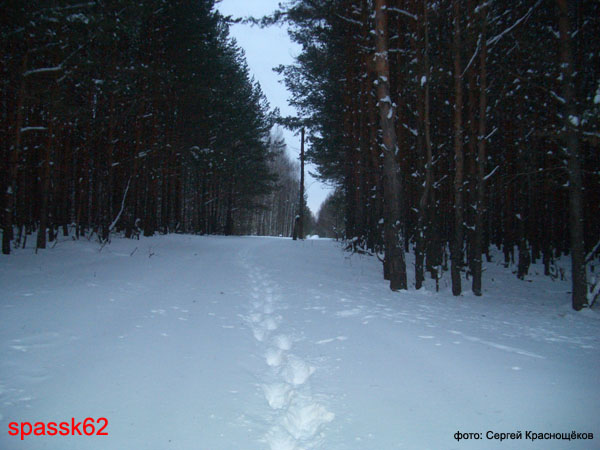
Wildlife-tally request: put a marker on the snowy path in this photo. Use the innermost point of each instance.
(297, 415)
(256, 343)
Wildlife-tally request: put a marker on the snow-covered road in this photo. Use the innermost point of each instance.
(216, 343)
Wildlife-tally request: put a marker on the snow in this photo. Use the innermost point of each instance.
(494, 40)
(490, 134)
(43, 70)
(185, 342)
(26, 129)
(574, 120)
(349, 20)
(403, 12)
(558, 97)
(114, 222)
(79, 17)
(491, 173)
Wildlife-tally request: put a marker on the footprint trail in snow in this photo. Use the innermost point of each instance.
(297, 418)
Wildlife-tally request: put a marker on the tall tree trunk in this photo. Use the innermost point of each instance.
(481, 161)
(570, 136)
(425, 193)
(108, 206)
(13, 166)
(203, 200)
(394, 253)
(229, 212)
(45, 188)
(457, 241)
(132, 224)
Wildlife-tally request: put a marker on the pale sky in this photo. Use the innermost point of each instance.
(267, 48)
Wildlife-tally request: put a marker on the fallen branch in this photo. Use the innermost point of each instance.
(114, 222)
(112, 225)
(591, 255)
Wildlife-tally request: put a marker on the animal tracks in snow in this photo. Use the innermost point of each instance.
(298, 417)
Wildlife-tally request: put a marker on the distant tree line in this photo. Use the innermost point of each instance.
(132, 116)
(451, 126)
(276, 211)
(330, 218)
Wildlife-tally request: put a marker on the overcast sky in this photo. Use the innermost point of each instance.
(267, 48)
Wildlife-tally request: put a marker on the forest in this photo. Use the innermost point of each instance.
(453, 126)
(448, 127)
(134, 118)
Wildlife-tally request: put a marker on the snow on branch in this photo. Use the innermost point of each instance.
(491, 173)
(26, 129)
(473, 57)
(66, 8)
(593, 291)
(494, 40)
(481, 7)
(403, 12)
(490, 134)
(558, 97)
(114, 222)
(58, 68)
(352, 21)
(590, 256)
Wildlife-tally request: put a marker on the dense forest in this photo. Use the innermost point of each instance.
(447, 126)
(453, 126)
(134, 117)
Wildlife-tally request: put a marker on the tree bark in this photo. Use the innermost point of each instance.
(394, 253)
(41, 236)
(481, 161)
(425, 193)
(108, 206)
(571, 140)
(13, 166)
(457, 241)
(229, 213)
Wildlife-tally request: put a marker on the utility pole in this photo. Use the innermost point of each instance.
(299, 220)
(301, 200)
